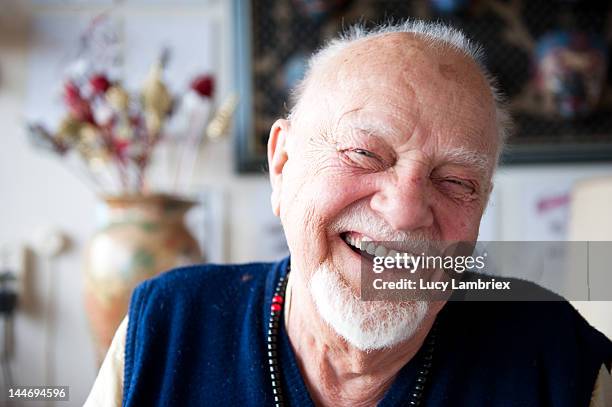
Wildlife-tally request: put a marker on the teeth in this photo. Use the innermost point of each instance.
(366, 244)
(381, 251)
(371, 248)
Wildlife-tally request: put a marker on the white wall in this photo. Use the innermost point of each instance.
(36, 191)
(515, 184)
(516, 188)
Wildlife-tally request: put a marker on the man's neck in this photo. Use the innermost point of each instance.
(335, 372)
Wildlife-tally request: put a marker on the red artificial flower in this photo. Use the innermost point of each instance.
(78, 107)
(203, 85)
(71, 92)
(120, 147)
(135, 121)
(99, 83)
(82, 111)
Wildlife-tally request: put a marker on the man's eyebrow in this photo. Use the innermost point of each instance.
(459, 155)
(468, 158)
(373, 129)
(353, 121)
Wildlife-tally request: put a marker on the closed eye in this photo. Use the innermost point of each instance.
(364, 153)
(457, 182)
(457, 188)
(362, 158)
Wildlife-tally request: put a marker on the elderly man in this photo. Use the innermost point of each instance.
(394, 136)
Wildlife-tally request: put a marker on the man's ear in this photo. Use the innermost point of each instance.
(277, 158)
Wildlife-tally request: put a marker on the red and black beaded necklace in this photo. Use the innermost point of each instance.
(276, 312)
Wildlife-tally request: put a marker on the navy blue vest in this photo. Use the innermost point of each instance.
(196, 337)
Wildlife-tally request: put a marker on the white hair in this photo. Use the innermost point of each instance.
(435, 35)
(367, 325)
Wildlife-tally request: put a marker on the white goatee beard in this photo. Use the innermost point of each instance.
(366, 325)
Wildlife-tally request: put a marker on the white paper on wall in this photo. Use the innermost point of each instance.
(544, 206)
(546, 209)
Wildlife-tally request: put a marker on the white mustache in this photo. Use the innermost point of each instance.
(359, 217)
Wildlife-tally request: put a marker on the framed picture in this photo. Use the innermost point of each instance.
(550, 60)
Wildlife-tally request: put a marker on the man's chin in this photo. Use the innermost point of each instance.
(366, 325)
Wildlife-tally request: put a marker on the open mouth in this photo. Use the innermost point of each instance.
(353, 243)
(367, 248)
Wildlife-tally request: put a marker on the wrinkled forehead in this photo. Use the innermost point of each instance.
(397, 80)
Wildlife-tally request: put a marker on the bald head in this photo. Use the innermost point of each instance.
(422, 59)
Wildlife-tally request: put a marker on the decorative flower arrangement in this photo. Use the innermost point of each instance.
(115, 133)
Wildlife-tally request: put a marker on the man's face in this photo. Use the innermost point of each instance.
(392, 142)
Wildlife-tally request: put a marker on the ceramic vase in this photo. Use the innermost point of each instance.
(143, 236)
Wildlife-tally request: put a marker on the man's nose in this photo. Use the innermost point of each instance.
(404, 202)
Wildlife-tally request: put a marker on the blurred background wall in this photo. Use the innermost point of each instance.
(39, 197)
(39, 194)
